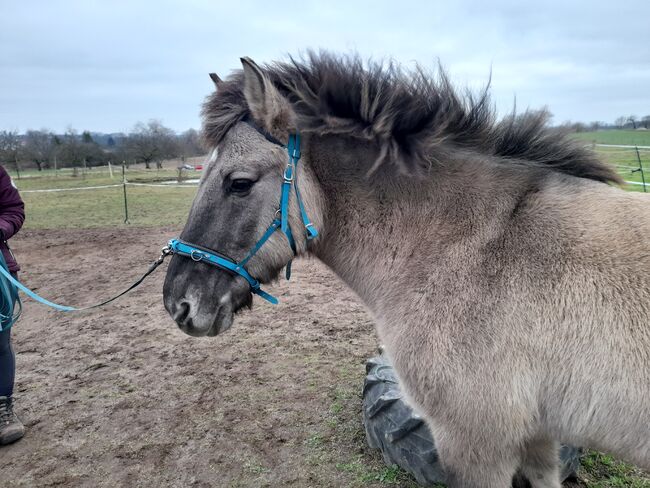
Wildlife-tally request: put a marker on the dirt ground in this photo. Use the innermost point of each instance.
(121, 397)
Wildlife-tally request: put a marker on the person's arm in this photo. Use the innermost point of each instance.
(12, 208)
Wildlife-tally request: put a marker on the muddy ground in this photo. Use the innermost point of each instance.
(120, 397)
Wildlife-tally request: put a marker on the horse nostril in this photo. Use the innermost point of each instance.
(182, 313)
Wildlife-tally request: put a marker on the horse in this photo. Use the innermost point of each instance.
(507, 271)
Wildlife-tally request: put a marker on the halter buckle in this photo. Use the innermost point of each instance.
(311, 231)
(288, 174)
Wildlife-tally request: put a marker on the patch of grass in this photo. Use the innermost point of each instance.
(254, 468)
(366, 473)
(34, 180)
(616, 136)
(343, 434)
(315, 440)
(147, 206)
(336, 407)
(627, 164)
(626, 160)
(341, 396)
(602, 471)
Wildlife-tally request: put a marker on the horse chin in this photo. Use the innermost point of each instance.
(226, 313)
(222, 322)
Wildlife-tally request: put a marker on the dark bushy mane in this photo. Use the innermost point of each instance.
(412, 115)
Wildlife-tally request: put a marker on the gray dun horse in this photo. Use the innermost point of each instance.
(508, 274)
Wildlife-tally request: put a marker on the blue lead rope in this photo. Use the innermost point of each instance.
(197, 253)
(31, 294)
(9, 298)
(10, 304)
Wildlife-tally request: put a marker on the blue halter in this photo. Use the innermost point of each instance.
(281, 221)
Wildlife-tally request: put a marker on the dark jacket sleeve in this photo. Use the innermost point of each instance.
(12, 208)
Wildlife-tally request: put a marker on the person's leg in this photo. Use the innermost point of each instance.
(7, 364)
(11, 429)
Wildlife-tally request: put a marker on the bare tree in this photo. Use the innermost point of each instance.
(190, 143)
(151, 143)
(39, 147)
(595, 125)
(71, 150)
(579, 127)
(10, 149)
(93, 154)
(646, 121)
(632, 119)
(620, 122)
(79, 150)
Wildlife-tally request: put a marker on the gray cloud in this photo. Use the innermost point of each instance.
(105, 65)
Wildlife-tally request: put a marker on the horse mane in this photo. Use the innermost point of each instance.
(412, 115)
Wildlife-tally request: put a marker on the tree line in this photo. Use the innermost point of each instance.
(633, 122)
(622, 122)
(149, 143)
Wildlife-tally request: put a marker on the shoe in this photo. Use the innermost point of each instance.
(11, 428)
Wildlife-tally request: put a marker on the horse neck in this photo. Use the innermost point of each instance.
(385, 232)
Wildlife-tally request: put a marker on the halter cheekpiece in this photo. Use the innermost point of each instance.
(281, 221)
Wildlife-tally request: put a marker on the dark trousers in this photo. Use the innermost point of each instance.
(7, 364)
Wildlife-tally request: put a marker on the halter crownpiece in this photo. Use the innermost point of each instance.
(281, 221)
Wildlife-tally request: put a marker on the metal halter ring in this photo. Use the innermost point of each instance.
(197, 255)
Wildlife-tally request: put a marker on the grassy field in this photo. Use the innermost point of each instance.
(624, 158)
(602, 471)
(615, 136)
(627, 164)
(147, 206)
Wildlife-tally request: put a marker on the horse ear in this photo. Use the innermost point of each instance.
(254, 84)
(267, 105)
(216, 80)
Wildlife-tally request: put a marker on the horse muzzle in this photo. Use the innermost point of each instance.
(201, 302)
(195, 324)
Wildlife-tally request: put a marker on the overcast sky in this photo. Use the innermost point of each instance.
(103, 66)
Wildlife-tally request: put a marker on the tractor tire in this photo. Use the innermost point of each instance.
(402, 436)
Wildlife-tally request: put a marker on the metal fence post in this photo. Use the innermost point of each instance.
(638, 157)
(126, 204)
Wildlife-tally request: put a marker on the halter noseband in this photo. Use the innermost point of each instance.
(281, 221)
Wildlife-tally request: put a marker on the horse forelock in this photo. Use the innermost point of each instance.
(413, 115)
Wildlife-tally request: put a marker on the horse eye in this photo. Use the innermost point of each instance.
(241, 185)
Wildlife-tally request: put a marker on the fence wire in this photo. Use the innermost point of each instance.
(630, 161)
